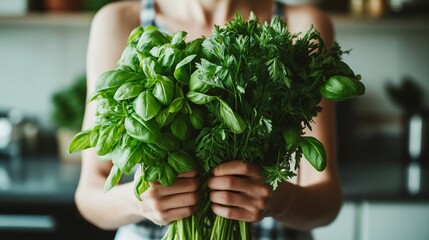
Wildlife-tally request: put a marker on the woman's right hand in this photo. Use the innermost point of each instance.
(164, 204)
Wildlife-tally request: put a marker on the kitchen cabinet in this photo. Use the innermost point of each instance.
(379, 220)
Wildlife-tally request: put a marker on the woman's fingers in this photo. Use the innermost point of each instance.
(181, 185)
(234, 199)
(237, 168)
(250, 187)
(240, 214)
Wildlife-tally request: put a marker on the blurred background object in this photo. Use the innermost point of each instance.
(67, 114)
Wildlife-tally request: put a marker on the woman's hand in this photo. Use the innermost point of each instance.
(162, 204)
(238, 192)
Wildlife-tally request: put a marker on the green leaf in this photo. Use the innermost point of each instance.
(80, 142)
(126, 157)
(164, 117)
(339, 88)
(113, 178)
(194, 46)
(179, 128)
(140, 187)
(108, 137)
(168, 142)
(150, 67)
(164, 90)
(95, 134)
(314, 152)
(115, 78)
(167, 175)
(196, 83)
(152, 154)
(178, 39)
(181, 73)
(181, 162)
(151, 37)
(199, 98)
(152, 173)
(234, 122)
(145, 131)
(128, 90)
(146, 105)
(176, 105)
(197, 119)
(167, 56)
(292, 137)
(134, 36)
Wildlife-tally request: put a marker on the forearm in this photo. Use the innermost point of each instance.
(108, 210)
(305, 208)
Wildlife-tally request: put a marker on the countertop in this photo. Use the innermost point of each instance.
(38, 180)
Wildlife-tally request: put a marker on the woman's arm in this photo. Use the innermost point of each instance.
(109, 32)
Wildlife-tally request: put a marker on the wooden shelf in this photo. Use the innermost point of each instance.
(341, 22)
(78, 19)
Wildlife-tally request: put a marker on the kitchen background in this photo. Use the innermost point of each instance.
(384, 157)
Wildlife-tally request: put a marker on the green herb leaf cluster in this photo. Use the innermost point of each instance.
(143, 116)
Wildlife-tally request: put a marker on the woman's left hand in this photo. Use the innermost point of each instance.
(238, 192)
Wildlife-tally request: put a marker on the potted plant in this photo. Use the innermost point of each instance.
(67, 114)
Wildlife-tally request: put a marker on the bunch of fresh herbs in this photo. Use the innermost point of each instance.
(246, 92)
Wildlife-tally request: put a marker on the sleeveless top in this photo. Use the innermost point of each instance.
(267, 229)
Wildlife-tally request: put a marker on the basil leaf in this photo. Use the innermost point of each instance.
(197, 119)
(80, 142)
(314, 152)
(151, 37)
(130, 60)
(115, 78)
(145, 131)
(108, 136)
(150, 67)
(164, 90)
(152, 173)
(164, 117)
(127, 157)
(339, 88)
(176, 105)
(146, 105)
(181, 162)
(178, 40)
(199, 98)
(292, 137)
(128, 91)
(196, 83)
(113, 178)
(168, 142)
(194, 47)
(140, 187)
(95, 134)
(152, 154)
(181, 73)
(167, 175)
(167, 56)
(134, 36)
(234, 122)
(179, 128)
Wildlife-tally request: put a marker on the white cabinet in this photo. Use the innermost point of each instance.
(395, 221)
(378, 221)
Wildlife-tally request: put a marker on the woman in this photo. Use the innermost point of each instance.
(237, 190)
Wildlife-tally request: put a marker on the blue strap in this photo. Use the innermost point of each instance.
(279, 10)
(147, 13)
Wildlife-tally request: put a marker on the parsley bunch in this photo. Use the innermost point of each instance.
(245, 92)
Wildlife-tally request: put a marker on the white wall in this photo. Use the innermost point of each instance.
(36, 61)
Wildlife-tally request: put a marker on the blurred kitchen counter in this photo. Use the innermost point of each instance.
(38, 180)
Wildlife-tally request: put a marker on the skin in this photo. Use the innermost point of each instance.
(237, 190)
